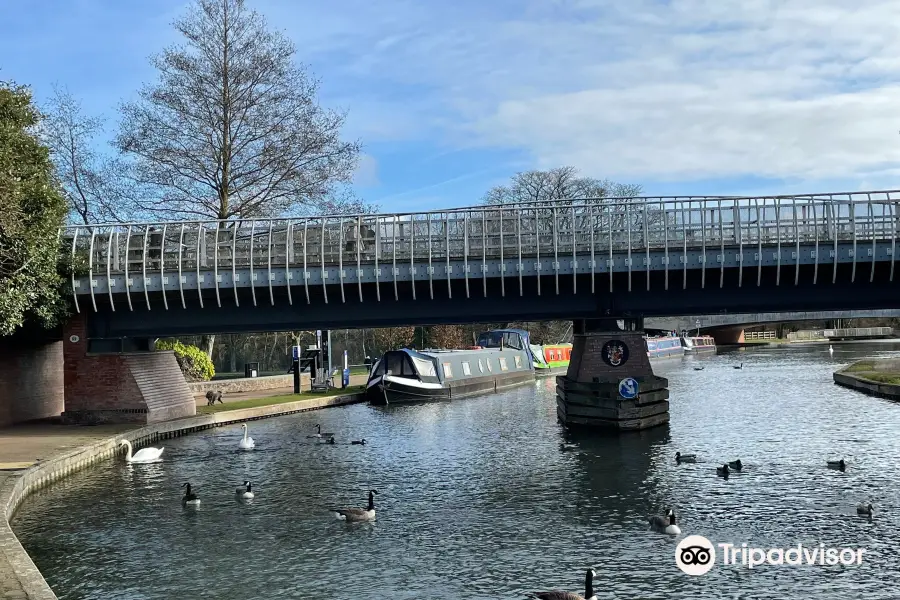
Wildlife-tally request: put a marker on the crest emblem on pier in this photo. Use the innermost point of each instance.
(614, 353)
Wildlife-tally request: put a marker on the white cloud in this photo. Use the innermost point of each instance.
(683, 89)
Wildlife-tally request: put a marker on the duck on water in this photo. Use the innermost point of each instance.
(502, 359)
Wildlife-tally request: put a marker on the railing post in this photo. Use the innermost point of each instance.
(109, 281)
(144, 266)
(252, 270)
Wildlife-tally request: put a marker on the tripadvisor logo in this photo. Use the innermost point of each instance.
(696, 555)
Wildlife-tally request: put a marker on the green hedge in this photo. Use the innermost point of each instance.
(194, 362)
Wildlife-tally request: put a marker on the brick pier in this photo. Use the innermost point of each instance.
(588, 395)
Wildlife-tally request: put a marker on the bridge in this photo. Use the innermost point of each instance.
(635, 257)
(734, 323)
(598, 262)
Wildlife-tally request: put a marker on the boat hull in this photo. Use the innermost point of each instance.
(551, 371)
(385, 391)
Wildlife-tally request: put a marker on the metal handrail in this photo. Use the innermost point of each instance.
(583, 229)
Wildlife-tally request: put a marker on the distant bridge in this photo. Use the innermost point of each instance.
(707, 322)
(590, 258)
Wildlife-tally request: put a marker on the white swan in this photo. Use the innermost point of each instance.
(245, 492)
(143, 455)
(246, 443)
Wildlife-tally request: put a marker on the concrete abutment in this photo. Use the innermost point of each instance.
(605, 352)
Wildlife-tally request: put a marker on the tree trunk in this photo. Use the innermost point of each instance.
(207, 342)
(232, 355)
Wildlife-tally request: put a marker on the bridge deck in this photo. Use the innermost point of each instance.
(567, 238)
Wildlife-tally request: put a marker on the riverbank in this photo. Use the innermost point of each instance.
(876, 377)
(37, 455)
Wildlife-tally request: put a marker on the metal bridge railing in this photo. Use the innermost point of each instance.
(583, 227)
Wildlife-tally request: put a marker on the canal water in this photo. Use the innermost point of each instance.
(477, 500)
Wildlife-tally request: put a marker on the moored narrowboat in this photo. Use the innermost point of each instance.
(698, 344)
(551, 359)
(501, 360)
(664, 347)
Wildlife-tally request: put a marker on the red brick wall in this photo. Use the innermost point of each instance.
(31, 381)
(587, 363)
(130, 387)
(733, 335)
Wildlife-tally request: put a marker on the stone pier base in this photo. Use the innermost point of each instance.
(588, 396)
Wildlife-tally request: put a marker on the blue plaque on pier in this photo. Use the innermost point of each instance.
(628, 388)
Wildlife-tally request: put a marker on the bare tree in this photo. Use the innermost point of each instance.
(233, 127)
(91, 183)
(392, 338)
(561, 183)
(446, 336)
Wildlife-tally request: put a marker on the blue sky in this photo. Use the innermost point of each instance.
(451, 98)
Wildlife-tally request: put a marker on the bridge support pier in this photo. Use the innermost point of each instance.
(115, 385)
(604, 353)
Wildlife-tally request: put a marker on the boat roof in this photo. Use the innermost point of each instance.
(519, 331)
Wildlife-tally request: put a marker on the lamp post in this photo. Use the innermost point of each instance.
(698, 327)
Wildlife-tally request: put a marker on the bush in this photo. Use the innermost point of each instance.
(194, 363)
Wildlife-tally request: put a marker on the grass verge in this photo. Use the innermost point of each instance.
(272, 400)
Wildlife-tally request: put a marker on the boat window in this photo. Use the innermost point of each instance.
(394, 362)
(490, 368)
(378, 369)
(503, 366)
(480, 366)
(425, 367)
(512, 340)
(518, 362)
(466, 370)
(448, 370)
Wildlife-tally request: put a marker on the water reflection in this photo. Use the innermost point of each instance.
(476, 499)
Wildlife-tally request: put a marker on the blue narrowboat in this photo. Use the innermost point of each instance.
(501, 360)
(664, 347)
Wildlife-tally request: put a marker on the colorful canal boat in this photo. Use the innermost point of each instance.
(551, 359)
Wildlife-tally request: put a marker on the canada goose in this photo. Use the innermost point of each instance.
(737, 465)
(321, 434)
(864, 509)
(741, 366)
(722, 471)
(687, 458)
(837, 464)
(189, 496)
(665, 524)
(361, 442)
(560, 595)
(359, 514)
(245, 492)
